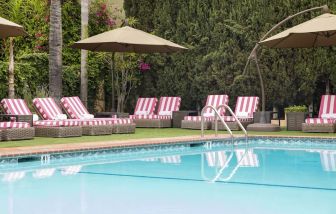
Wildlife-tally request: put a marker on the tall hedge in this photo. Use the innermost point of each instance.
(220, 34)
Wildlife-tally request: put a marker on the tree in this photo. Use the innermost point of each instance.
(55, 49)
(84, 53)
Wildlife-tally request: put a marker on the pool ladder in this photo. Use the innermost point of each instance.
(217, 115)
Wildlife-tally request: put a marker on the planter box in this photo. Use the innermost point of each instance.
(295, 120)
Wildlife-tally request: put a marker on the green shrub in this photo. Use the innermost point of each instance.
(296, 109)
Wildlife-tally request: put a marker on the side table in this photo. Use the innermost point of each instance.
(179, 115)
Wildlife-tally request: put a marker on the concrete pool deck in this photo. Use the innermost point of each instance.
(73, 147)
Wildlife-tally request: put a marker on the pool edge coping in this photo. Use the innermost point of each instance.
(101, 145)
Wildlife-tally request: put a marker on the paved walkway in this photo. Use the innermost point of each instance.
(72, 147)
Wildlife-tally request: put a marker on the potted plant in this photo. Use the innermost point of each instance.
(295, 116)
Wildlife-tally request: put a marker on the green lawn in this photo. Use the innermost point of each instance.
(142, 133)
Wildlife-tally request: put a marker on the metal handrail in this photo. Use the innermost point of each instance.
(235, 117)
(216, 125)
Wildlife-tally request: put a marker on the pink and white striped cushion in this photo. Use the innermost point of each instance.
(56, 123)
(319, 121)
(145, 105)
(168, 104)
(47, 108)
(327, 112)
(15, 107)
(119, 121)
(74, 107)
(9, 125)
(215, 101)
(198, 118)
(151, 117)
(246, 105)
(328, 106)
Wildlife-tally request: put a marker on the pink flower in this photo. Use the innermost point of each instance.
(110, 22)
(144, 66)
(38, 47)
(38, 35)
(99, 14)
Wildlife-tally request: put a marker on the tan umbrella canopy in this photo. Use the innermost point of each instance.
(317, 32)
(10, 29)
(127, 39)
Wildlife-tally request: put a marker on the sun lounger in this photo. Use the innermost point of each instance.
(326, 121)
(16, 131)
(43, 128)
(194, 122)
(245, 107)
(75, 109)
(163, 118)
(49, 110)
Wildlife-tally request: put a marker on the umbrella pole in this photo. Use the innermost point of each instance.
(112, 79)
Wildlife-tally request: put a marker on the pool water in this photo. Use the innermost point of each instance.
(266, 176)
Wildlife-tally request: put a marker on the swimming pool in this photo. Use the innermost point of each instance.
(269, 175)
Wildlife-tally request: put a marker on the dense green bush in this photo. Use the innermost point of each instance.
(220, 35)
(296, 109)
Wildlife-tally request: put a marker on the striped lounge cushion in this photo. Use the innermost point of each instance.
(8, 125)
(15, 107)
(151, 117)
(320, 121)
(47, 108)
(198, 118)
(145, 106)
(56, 123)
(119, 121)
(168, 104)
(327, 112)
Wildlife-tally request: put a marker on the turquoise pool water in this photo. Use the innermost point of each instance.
(267, 176)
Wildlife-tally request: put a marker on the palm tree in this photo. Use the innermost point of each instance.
(55, 49)
(84, 53)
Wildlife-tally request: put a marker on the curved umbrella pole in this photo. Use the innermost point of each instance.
(253, 54)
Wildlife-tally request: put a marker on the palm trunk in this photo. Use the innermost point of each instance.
(55, 50)
(84, 53)
(11, 87)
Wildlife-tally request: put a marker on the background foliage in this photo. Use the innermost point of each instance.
(219, 34)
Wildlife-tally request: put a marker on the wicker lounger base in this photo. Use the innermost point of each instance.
(188, 124)
(17, 133)
(71, 131)
(96, 130)
(123, 128)
(328, 127)
(153, 123)
(232, 125)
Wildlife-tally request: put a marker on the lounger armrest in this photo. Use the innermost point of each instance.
(8, 117)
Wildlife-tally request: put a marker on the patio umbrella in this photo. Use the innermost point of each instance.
(10, 29)
(317, 32)
(127, 39)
